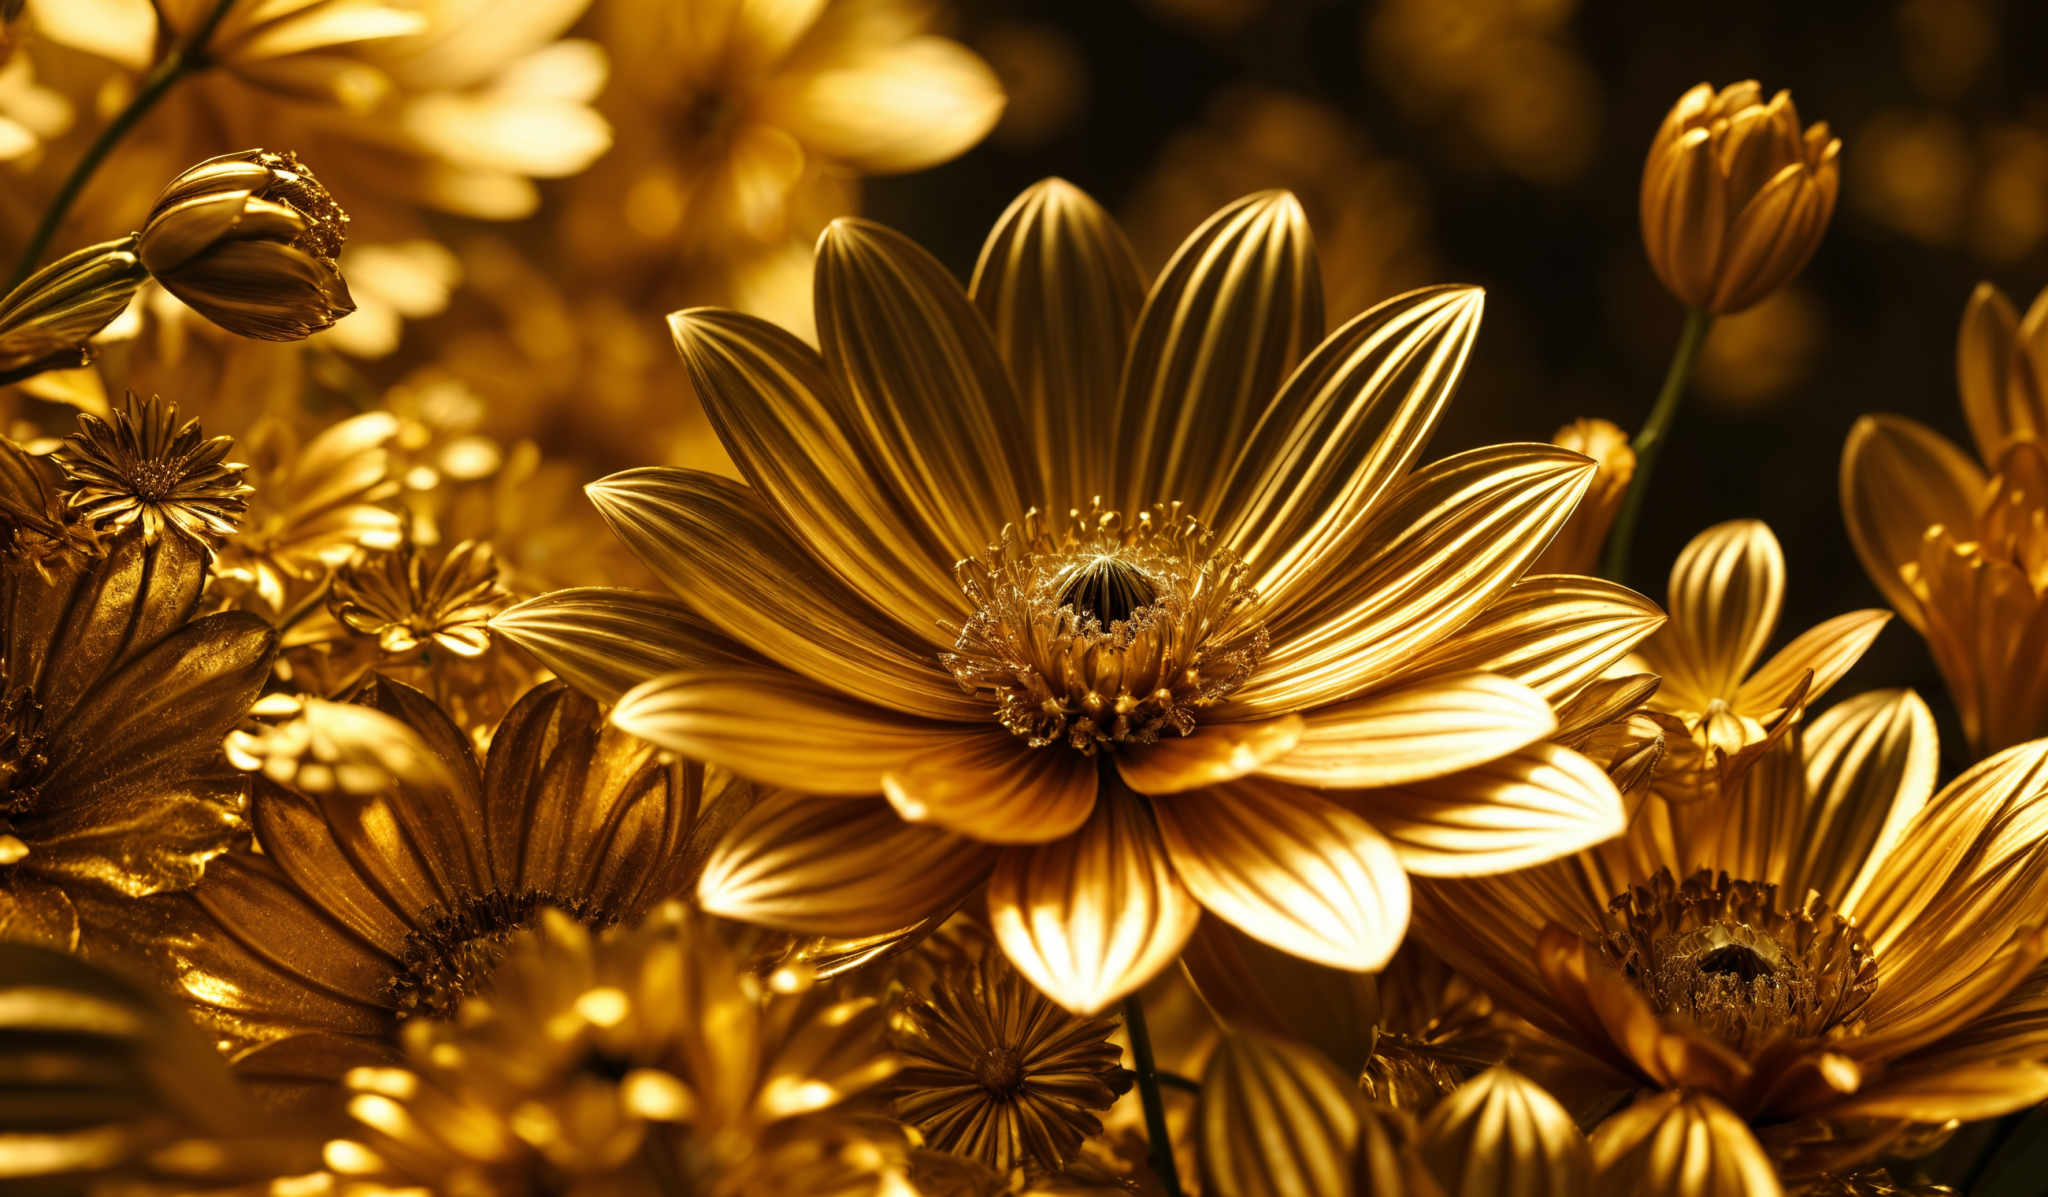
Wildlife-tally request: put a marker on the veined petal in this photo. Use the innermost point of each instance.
(1442, 549)
(1533, 805)
(714, 543)
(1870, 767)
(896, 108)
(1094, 916)
(1554, 634)
(991, 786)
(1275, 1120)
(825, 866)
(1345, 429)
(1415, 732)
(926, 397)
(1900, 478)
(769, 398)
(1677, 1142)
(1935, 1093)
(1685, 215)
(1213, 753)
(1500, 1133)
(1985, 358)
(1060, 289)
(773, 726)
(1237, 307)
(1289, 869)
(1249, 984)
(606, 641)
(1725, 593)
(1828, 650)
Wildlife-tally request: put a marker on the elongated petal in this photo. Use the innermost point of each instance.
(1554, 634)
(1726, 589)
(1685, 216)
(1900, 478)
(768, 396)
(773, 726)
(1828, 650)
(605, 641)
(1214, 753)
(927, 399)
(1681, 1143)
(1501, 1133)
(1870, 767)
(1446, 545)
(1985, 361)
(900, 107)
(1935, 1093)
(1060, 289)
(826, 866)
(1343, 432)
(1235, 310)
(1415, 732)
(719, 549)
(1290, 869)
(994, 787)
(1094, 916)
(1536, 804)
(1275, 1120)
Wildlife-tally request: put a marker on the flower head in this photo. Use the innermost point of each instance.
(1735, 195)
(148, 469)
(1577, 547)
(410, 600)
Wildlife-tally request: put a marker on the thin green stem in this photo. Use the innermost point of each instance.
(1156, 1134)
(189, 56)
(1648, 442)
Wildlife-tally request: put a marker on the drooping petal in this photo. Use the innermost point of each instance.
(1415, 732)
(605, 641)
(993, 787)
(1275, 1120)
(826, 866)
(773, 726)
(1725, 593)
(1213, 753)
(892, 108)
(1870, 767)
(1290, 869)
(1235, 310)
(1554, 634)
(1094, 916)
(1827, 649)
(1501, 1133)
(1900, 478)
(1685, 1143)
(1060, 289)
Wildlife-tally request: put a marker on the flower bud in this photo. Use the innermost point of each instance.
(249, 240)
(1576, 547)
(45, 322)
(1735, 197)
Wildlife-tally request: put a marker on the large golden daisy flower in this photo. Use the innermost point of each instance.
(1114, 715)
(113, 703)
(1841, 956)
(1957, 548)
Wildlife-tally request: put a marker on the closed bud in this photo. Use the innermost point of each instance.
(249, 240)
(1576, 547)
(45, 322)
(1735, 195)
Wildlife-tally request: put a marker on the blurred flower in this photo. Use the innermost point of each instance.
(1724, 597)
(113, 702)
(249, 240)
(412, 602)
(637, 1060)
(1735, 195)
(1763, 353)
(1015, 724)
(1978, 186)
(1576, 549)
(147, 468)
(46, 321)
(391, 284)
(317, 747)
(1836, 952)
(31, 115)
(39, 532)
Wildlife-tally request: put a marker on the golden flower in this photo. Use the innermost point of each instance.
(1500, 1135)
(47, 319)
(1576, 548)
(1726, 590)
(1684, 1144)
(401, 905)
(1611, 723)
(1839, 956)
(410, 600)
(1958, 549)
(147, 469)
(317, 747)
(38, 532)
(113, 702)
(638, 1060)
(992, 1070)
(1251, 594)
(1735, 197)
(249, 241)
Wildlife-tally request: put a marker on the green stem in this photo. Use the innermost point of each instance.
(189, 56)
(1614, 566)
(1156, 1134)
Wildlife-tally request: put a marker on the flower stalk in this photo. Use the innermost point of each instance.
(1649, 441)
(1156, 1134)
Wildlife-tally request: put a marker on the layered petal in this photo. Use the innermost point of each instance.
(1900, 478)
(2003, 396)
(1681, 1143)
(1275, 1120)
(1725, 593)
(1826, 650)
(1870, 767)
(605, 641)
(993, 787)
(1213, 753)
(1554, 634)
(1415, 732)
(1501, 1133)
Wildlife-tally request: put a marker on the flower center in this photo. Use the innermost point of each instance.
(156, 479)
(22, 753)
(1096, 633)
(1000, 1071)
(456, 948)
(1729, 957)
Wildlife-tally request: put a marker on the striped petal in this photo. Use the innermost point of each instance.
(1676, 1142)
(1213, 753)
(1900, 478)
(1501, 1134)
(1870, 767)
(1554, 634)
(1826, 650)
(1415, 732)
(991, 786)
(1725, 593)
(604, 642)
(1275, 1120)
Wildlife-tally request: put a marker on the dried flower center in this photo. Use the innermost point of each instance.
(156, 479)
(1730, 958)
(22, 753)
(1096, 633)
(1000, 1071)
(456, 948)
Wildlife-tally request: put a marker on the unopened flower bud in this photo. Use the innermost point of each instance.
(1576, 547)
(45, 322)
(1735, 196)
(249, 240)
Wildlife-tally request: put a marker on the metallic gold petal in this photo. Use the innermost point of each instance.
(1500, 1135)
(1554, 634)
(1725, 593)
(1934, 1093)
(1415, 732)
(97, 614)
(1533, 805)
(1900, 478)
(1249, 984)
(1275, 1120)
(890, 108)
(1985, 347)
(1686, 1144)
(1442, 549)
(769, 398)
(927, 400)
(1344, 430)
(1289, 869)
(1090, 918)
(1827, 649)
(720, 549)
(826, 866)
(1060, 289)
(1870, 767)
(773, 726)
(993, 787)
(1213, 753)
(605, 641)
(1234, 311)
